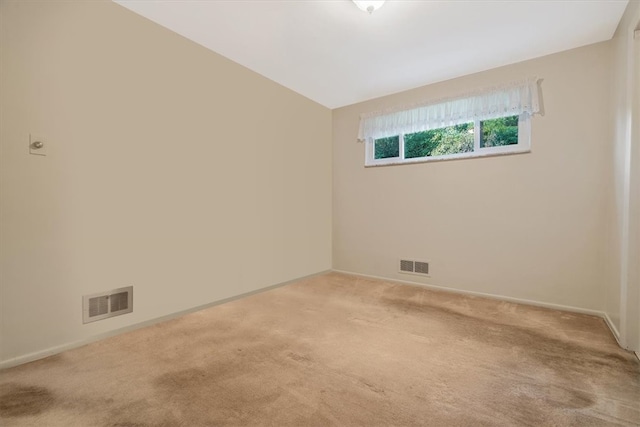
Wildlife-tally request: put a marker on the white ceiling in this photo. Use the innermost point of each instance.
(335, 54)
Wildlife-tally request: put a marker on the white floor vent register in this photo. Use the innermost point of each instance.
(107, 304)
(414, 267)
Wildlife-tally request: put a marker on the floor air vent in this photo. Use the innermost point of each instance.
(107, 304)
(414, 267)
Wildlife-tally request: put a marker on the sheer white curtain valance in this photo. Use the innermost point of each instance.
(511, 99)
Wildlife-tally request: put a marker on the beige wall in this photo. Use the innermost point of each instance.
(170, 168)
(622, 302)
(192, 178)
(528, 226)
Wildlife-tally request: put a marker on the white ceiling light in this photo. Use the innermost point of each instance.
(369, 6)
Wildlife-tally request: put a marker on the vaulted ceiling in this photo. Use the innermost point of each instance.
(335, 54)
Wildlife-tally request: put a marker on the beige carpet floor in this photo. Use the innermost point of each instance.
(339, 350)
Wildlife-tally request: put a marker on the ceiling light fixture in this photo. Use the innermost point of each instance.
(369, 6)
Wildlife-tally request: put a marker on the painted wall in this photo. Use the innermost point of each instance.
(633, 304)
(169, 168)
(528, 226)
(622, 302)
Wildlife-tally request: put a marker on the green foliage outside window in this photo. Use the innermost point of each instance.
(449, 140)
(387, 147)
(498, 132)
(439, 142)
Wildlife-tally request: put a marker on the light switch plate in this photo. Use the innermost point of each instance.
(38, 151)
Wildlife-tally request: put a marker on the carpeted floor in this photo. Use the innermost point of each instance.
(339, 350)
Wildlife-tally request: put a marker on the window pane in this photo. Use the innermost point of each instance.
(387, 147)
(439, 142)
(497, 132)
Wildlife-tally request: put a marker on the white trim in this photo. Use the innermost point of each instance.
(569, 308)
(543, 304)
(612, 326)
(394, 161)
(523, 146)
(69, 346)
(629, 223)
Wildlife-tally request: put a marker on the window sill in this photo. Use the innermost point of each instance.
(395, 162)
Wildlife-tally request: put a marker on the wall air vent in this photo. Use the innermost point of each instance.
(406, 266)
(107, 304)
(414, 267)
(98, 306)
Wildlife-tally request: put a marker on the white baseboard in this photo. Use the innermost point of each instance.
(485, 295)
(69, 346)
(597, 313)
(612, 326)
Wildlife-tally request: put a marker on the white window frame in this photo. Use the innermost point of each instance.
(523, 146)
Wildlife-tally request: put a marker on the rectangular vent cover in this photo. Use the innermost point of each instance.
(406, 266)
(414, 267)
(107, 304)
(421, 267)
(98, 306)
(119, 301)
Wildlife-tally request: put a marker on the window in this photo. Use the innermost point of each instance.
(477, 125)
(387, 148)
(502, 134)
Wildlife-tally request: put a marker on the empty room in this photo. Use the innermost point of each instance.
(319, 213)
